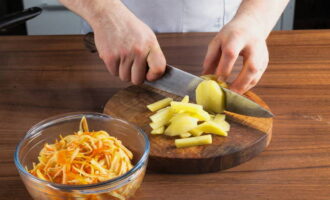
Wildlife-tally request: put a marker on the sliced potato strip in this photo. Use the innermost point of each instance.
(181, 123)
(193, 109)
(156, 125)
(181, 106)
(193, 141)
(196, 132)
(185, 99)
(185, 135)
(220, 120)
(159, 104)
(219, 117)
(157, 131)
(164, 114)
(225, 126)
(211, 127)
(188, 120)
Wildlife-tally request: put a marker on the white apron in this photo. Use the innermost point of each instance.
(182, 15)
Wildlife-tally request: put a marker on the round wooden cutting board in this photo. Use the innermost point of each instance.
(248, 136)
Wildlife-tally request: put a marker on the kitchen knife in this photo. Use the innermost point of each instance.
(181, 83)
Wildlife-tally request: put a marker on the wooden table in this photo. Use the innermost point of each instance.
(46, 75)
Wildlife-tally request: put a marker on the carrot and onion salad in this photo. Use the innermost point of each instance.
(85, 157)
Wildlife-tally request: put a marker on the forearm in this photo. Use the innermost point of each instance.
(264, 12)
(91, 10)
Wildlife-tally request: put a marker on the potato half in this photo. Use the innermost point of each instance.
(210, 96)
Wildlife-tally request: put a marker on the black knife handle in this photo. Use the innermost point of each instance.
(19, 17)
(90, 42)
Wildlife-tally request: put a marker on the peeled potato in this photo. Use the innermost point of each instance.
(210, 127)
(164, 114)
(181, 106)
(185, 135)
(196, 132)
(225, 126)
(159, 104)
(193, 109)
(180, 118)
(185, 99)
(210, 96)
(159, 130)
(219, 117)
(193, 141)
(220, 120)
(214, 78)
(156, 125)
(180, 123)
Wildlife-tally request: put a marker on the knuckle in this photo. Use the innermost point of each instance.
(230, 53)
(138, 50)
(124, 52)
(252, 69)
(157, 70)
(108, 58)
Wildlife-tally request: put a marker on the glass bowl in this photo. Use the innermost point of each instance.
(121, 187)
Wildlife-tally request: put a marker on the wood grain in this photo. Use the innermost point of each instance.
(248, 136)
(45, 75)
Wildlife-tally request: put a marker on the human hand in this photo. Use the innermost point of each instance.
(243, 37)
(127, 45)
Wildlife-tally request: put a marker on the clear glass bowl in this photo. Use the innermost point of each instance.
(122, 187)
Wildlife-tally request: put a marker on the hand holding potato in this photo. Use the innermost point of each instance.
(244, 35)
(238, 38)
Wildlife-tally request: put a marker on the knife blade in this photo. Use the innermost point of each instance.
(181, 83)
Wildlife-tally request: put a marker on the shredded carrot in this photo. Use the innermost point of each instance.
(84, 157)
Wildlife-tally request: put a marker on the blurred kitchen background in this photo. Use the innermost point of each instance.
(55, 19)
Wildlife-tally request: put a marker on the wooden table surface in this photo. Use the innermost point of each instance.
(43, 76)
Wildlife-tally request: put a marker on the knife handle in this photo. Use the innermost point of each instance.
(90, 42)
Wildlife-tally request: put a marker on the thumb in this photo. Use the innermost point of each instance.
(156, 62)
